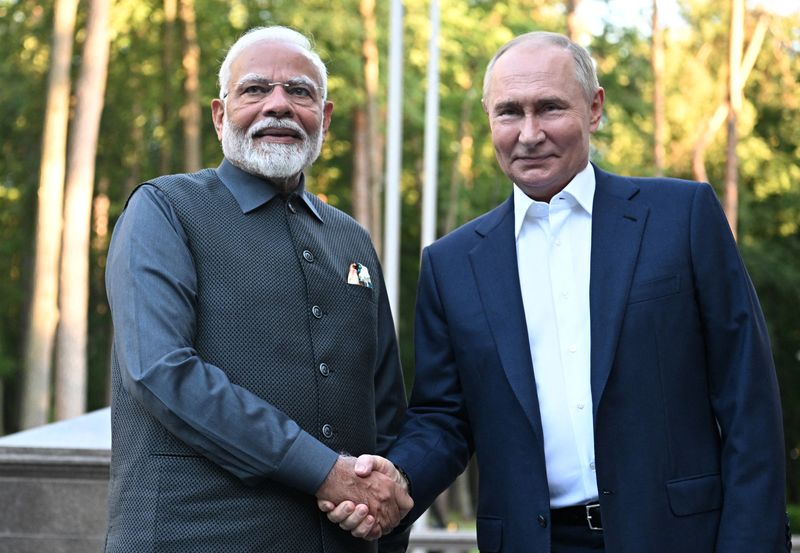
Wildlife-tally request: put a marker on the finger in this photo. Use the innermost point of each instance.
(341, 512)
(404, 501)
(325, 506)
(365, 527)
(359, 515)
(375, 533)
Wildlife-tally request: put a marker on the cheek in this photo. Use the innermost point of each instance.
(503, 139)
(242, 117)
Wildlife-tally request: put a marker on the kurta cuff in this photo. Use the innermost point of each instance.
(306, 464)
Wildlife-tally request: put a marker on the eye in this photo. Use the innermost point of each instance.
(254, 89)
(549, 108)
(299, 90)
(506, 111)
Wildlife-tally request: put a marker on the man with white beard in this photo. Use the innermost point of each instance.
(253, 337)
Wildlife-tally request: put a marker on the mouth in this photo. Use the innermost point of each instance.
(276, 133)
(532, 160)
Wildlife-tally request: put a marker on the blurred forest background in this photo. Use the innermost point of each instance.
(100, 95)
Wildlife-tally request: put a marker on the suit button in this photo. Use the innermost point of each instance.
(542, 521)
(308, 256)
(327, 431)
(324, 370)
(316, 311)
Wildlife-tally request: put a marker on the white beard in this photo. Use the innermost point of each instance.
(270, 160)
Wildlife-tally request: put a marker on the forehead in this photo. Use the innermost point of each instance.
(274, 60)
(533, 69)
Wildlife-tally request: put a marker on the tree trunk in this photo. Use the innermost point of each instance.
(658, 93)
(100, 236)
(374, 145)
(574, 28)
(461, 170)
(731, 203)
(712, 127)
(361, 200)
(43, 316)
(191, 112)
(73, 328)
(168, 69)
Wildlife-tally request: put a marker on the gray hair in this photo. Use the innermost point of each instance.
(585, 71)
(278, 34)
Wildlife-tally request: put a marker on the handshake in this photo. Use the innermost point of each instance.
(366, 496)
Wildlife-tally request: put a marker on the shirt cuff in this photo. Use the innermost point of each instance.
(306, 464)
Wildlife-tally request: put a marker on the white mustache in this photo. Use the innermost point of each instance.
(274, 123)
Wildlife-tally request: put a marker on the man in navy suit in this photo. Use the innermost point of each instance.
(596, 342)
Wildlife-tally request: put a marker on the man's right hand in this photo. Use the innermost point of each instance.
(367, 496)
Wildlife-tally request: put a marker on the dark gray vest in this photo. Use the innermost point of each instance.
(275, 312)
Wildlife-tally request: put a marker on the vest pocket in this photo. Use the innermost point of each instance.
(698, 494)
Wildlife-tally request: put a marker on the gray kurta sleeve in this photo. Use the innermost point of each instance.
(152, 289)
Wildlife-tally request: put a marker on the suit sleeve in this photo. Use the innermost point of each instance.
(152, 289)
(435, 443)
(743, 384)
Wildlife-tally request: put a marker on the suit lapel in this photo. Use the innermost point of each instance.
(494, 263)
(618, 222)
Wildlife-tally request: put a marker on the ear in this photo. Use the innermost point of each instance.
(596, 109)
(327, 110)
(217, 114)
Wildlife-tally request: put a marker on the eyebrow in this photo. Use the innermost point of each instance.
(538, 103)
(257, 78)
(505, 104)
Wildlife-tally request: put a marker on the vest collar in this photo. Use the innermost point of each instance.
(251, 191)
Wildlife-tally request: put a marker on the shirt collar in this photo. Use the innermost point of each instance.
(580, 191)
(251, 191)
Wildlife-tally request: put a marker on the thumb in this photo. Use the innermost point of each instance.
(365, 464)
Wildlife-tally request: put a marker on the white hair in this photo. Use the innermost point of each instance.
(278, 34)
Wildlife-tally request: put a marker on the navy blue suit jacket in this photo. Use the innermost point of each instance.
(688, 434)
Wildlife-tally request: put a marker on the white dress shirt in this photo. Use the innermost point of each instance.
(553, 252)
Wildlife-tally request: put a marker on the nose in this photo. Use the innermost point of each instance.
(531, 132)
(277, 103)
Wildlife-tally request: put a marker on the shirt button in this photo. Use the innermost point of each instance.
(565, 295)
(327, 431)
(291, 207)
(316, 311)
(558, 242)
(573, 348)
(542, 521)
(581, 406)
(308, 256)
(591, 465)
(324, 370)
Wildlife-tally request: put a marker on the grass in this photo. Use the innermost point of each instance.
(794, 517)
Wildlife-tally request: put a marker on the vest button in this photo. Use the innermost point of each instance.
(542, 521)
(316, 311)
(324, 369)
(308, 256)
(327, 431)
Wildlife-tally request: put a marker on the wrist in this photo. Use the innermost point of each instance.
(402, 479)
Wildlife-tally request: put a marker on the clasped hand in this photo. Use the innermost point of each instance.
(366, 496)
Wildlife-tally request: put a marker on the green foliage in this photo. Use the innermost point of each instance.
(141, 133)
